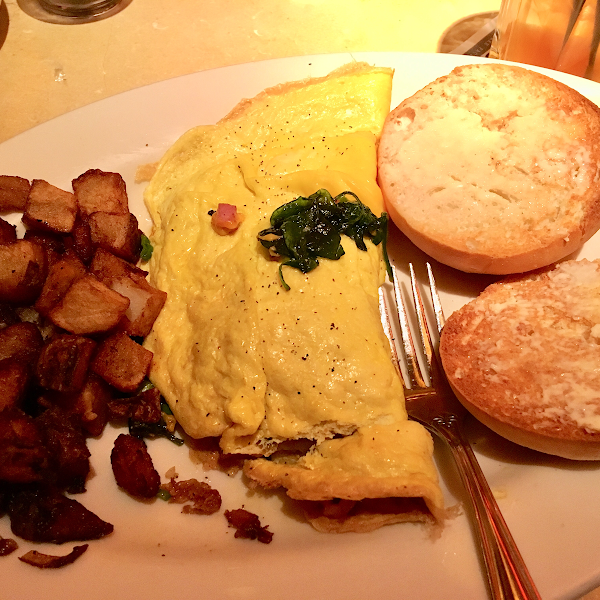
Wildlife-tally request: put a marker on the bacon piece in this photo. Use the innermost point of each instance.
(248, 525)
(44, 515)
(133, 468)
(226, 219)
(48, 561)
(205, 499)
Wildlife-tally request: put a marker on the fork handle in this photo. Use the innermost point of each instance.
(508, 576)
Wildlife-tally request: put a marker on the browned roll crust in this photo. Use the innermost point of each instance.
(493, 169)
(524, 358)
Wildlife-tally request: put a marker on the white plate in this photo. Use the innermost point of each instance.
(552, 506)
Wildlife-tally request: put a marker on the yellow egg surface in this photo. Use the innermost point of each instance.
(235, 354)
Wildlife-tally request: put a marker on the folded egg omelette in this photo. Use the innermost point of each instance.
(238, 356)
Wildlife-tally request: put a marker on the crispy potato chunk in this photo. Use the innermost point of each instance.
(145, 303)
(117, 233)
(80, 240)
(23, 270)
(97, 190)
(22, 341)
(63, 363)
(8, 232)
(106, 266)
(13, 193)
(133, 468)
(44, 515)
(49, 208)
(89, 306)
(89, 406)
(52, 243)
(23, 456)
(61, 275)
(14, 381)
(144, 407)
(69, 455)
(121, 362)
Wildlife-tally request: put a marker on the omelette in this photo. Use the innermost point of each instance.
(238, 355)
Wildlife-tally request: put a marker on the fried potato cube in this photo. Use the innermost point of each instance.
(63, 363)
(23, 270)
(61, 276)
(21, 341)
(8, 232)
(121, 362)
(106, 266)
(43, 514)
(80, 240)
(133, 468)
(98, 190)
(13, 193)
(89, 406)
(117, 233)
(144, 407)
(89, 306)
(49, 208)
(14, 381)
(145, 303)
(52, 243)
(69, 454)
(23, 456)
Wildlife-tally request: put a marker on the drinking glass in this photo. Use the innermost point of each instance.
(557, 34)
(78, 8)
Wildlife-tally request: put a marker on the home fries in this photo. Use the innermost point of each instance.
(290, 368)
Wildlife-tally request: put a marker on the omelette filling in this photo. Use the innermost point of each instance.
(238, 356)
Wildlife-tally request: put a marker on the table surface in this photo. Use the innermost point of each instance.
(50, 69)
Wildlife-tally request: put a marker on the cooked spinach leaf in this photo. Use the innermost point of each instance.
(147, 249)
(307, 229)
(140, 430)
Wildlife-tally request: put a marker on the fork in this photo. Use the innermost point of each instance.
(432, 403)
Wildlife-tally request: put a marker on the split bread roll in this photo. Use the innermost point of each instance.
(493, 169)
(524, 359)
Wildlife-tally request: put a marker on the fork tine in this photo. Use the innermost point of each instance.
(435, 299)
(425, 336)
(408, 346)
(384, 311)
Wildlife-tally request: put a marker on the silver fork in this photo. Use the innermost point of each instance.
(435, 406)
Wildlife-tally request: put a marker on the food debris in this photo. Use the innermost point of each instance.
(204, 499)
(7, 546)
(248, 525)
(48, 561)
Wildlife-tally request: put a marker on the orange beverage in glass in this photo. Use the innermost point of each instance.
(557, 34)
